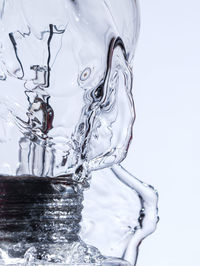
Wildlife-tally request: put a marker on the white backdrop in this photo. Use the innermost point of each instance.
(166, 148)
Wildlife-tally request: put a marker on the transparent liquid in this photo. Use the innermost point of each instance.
(40, 219)
(66, 111)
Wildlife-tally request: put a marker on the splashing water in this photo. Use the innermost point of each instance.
(66, 114)
(40, 221)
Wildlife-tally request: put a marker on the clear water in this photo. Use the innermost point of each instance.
(40, 219)
(66, 84)
(67, 112)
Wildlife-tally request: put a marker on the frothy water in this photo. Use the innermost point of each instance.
(66, 118)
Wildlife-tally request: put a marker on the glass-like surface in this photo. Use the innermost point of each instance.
(66, 118)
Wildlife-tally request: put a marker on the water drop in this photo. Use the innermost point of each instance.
(85, 74)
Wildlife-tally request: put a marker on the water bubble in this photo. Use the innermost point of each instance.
(85, 74)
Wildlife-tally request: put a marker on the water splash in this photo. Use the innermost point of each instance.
(66, 111)
(64, 97)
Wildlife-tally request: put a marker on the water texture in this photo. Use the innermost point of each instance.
(66, 118)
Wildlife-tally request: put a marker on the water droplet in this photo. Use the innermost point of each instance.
(85, 74)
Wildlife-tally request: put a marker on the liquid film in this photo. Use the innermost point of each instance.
(66, 119)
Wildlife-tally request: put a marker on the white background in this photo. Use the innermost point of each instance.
(166, 148)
